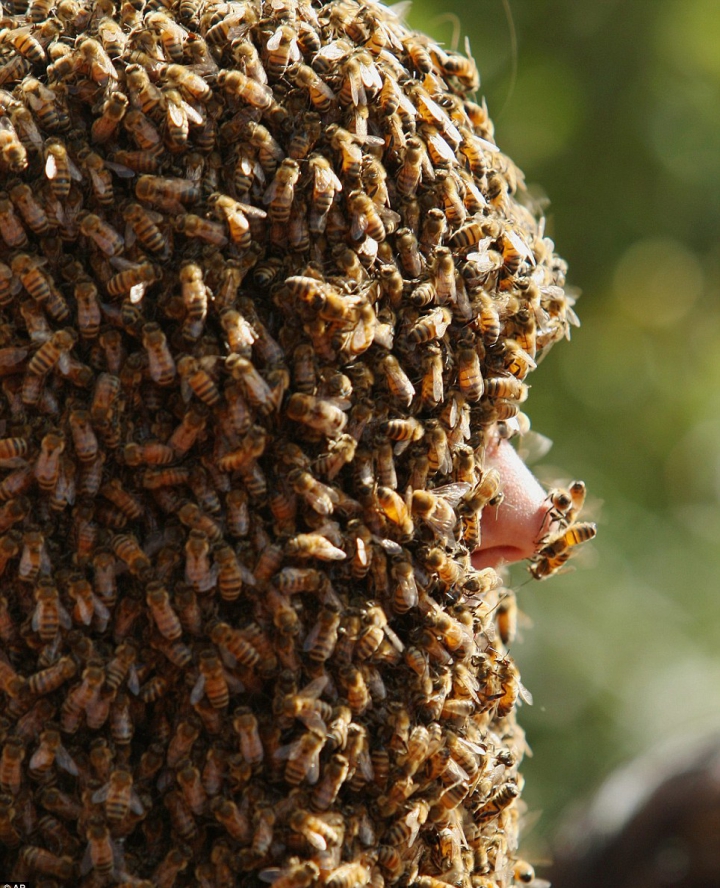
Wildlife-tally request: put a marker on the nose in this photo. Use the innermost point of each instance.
(510, 531)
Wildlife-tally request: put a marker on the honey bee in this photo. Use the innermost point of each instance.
(11, 759)
(555, 550)
(256, 94)
(251, 447)
(316, 413)
(497, 802)
(96, 61)
(100, 849)
(47, 466)
(9, 548)
(128, 550)
(13, 153)
(282, 51)
(296, 874)
(198, 380)
(37, 859)
(11, 227)
(236, 216)
(467, 236)
(89, 315)
(245, 725)
(212, 681)
(313, 545)
(345, 143)
(410, 257)
(318, 496)
(235, 822)
(119, 796)
(80, 698)
(59, 168)
(279, 195)
(104, 235)
(255, 388)
(143, 94)
(325, 186)
(161, 363)
(350, 875)
(105, 126)
(49, 752)
(169, 193)
(28, 270)
(320, 94)
(230, 580)
(431, 326)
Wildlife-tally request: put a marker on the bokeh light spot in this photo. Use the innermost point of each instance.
(657, 281)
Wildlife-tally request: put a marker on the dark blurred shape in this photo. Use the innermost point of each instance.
(666, 830)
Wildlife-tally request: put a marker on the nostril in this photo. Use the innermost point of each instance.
(511, 530)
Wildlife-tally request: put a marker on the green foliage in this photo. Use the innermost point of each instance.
(614, 112)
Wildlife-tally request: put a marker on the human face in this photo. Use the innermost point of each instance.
(511, 530)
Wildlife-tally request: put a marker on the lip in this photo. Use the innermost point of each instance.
(496, 556)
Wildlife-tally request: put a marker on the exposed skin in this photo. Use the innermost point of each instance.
(510, 532)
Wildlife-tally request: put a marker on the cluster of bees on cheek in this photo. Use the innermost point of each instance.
(265, 285)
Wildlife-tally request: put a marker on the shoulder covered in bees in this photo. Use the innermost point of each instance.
(266, 282)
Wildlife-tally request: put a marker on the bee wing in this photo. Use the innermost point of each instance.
(15, 462)
(276, 39)
(413, 821)
(100, 795)
(312, 721)
(136, 805)
(400, 10)
(334, 51)
(198, 689)
(194, 115)
(520, 245)
(6, 125)
(478, 196)
(133, 680)
(393, 638)
(64, 616)
(312, 636)
(176, 113)
(454, 770)
(314, 689)
(271, 191)
(442, 147)
(83, 611)
(370, 76)
(228, 659)
(247, 210)
(443, 524)
(533, 447)
(97, 181)
(453, 493)
(65, 761)
(287, 750)
(234, 684)
(74, 171)
(101, 611)
(39, 757)
(525, 694)
(390, 546)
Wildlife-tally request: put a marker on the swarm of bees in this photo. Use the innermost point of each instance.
(266, 285)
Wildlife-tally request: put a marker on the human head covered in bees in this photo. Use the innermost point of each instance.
(269, 295)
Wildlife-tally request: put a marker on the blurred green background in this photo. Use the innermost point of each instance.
(614, 112)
